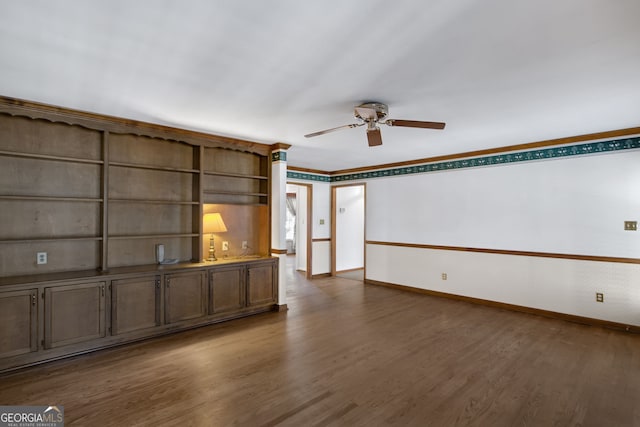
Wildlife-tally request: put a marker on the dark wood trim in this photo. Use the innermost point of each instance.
(104, 256)
(321, 276)
(512, 307)
(280, 146)
(511, 252)
(279, 251)
(101, 122)
(333, 208)
(349, 270)
(505, 149)
(322, 239)
(305, 170)
(280, 307)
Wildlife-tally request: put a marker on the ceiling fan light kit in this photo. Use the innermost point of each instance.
(374, 113)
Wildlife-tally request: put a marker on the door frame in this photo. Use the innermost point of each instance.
(309, 203)
(334, 235)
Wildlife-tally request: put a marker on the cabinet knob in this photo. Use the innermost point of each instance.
(33, 299)
(102, 290)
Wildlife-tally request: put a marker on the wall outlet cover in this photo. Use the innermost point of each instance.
(245, 245)
(41, 258)
(225, 246)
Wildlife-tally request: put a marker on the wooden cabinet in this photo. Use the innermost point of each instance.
(18, 322)
(261, 283)
(74, 314)
(135, 304)
(185, 296)
(97, 194)
(227, 289)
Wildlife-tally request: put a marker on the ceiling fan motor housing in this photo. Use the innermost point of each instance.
(371, 111)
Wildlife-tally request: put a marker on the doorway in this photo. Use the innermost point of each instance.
(348, 231)
(298, 225)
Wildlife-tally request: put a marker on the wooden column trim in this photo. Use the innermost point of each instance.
(104, 263)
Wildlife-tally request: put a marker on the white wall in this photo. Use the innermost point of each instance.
(569, 206)
(349, 227)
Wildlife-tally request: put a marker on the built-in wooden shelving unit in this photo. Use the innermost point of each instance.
(99, 193)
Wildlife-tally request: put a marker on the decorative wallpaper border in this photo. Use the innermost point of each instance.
(277, 156)
(308, 176)
(599, 147)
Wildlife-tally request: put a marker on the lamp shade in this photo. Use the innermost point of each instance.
(213, 223)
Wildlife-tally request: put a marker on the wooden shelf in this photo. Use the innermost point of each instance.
(53, 239)
(154, 202)
(235, 175)
(53, 198)
(104, 198)
(235, 193)
(152, 236)
(150, 167)
(49, 157)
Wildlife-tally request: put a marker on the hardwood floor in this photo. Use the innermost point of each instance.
(348, 354)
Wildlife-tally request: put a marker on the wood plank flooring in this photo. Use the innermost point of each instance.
(349, 354)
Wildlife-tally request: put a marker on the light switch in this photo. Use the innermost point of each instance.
(631, 225)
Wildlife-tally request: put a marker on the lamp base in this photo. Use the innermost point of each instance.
(212, 251)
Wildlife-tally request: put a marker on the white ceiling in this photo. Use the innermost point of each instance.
(499, 72)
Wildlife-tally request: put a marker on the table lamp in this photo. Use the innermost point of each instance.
(213, 223)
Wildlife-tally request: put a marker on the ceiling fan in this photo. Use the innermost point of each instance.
(374, 113)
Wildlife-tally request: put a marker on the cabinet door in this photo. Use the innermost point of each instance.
(261, 283)
(73, 314)
(227, 290)
(18, 322)
(185, 296)
(135, 304)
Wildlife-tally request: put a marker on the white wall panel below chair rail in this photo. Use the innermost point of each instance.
(565, 286)
(321, 258)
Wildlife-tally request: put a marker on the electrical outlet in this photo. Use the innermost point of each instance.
(631, 225)
(599, 297)
(225, 246)
(245, 245)
(41, 258)
(444, 276)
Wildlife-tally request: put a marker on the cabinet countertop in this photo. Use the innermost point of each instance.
(129, 270)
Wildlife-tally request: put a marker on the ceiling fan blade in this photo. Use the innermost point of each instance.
(374, 137)
(415, 124)
(322, 132)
